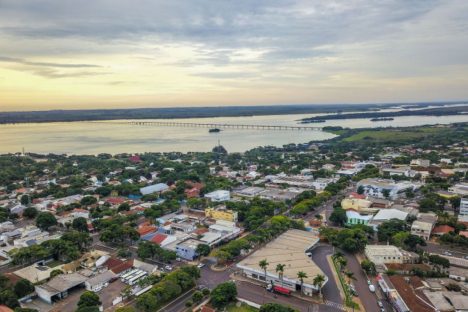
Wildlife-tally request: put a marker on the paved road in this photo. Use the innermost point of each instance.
(368, 299)
(440, 249)
(330, 290)
(259, 295)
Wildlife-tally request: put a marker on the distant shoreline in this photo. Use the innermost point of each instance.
(202, 112)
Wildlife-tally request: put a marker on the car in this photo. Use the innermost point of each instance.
(368, 282)
(372, 288)
(380, 303)
(447, 253)
(200, 265)
(168, 268)
(308, 254)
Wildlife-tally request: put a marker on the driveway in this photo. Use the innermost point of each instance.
(330, 290)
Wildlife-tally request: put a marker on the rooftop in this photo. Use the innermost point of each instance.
(289, 249)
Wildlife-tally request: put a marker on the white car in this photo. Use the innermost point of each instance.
(168, 268)
(372, 288)
(200, 265)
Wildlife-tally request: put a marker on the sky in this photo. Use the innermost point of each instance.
(68, 54)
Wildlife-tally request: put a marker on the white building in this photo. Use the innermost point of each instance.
(156, 188)
(380, 254)
(424, 224)
(99, 281)
(459, 189)
(219, 196)
(289, 249)
(463, 207)
(381, 187)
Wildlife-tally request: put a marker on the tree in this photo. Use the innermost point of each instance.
(360, 190)
(369, 267)
(263, 264)
(350, 276)
(388, 228)
(30, 212)
(45, 220)
(223, 294)
(197, 297)
(147, 302)
(80, 224)
(88, 200)
(301, 275)
(280, 270)
(25, 200)
(55, 272)
(124, 207)
(386, 193)
(89, 299)
(23, 287)
(318, 281)
(338, 216)
(8, 298)
(203, 250)
(275, 307)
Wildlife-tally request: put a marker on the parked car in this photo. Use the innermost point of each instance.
(200, 265)
(368, 282)
(372, 288)
(380, 303)
(447, 253)
(168, 268)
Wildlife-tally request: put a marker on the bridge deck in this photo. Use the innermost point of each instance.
(218, 125)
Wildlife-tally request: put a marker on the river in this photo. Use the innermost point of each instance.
(110, 137)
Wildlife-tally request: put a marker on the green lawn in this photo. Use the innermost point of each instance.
(242, 308)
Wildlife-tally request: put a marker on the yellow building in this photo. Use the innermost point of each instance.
(356, 204)
(221, 213)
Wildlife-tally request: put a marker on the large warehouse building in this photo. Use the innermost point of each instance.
(288, 249)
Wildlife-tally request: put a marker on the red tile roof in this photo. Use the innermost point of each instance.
(145, 229)
(442, 229)
(158, 238)
(201, 231)
(115, 200)
(123, 267)
(4, 308)
(463, 233)
(356, 195)
(414, 298)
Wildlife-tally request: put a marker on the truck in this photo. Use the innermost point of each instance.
(278, 290)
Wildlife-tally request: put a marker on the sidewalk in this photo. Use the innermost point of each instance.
(241, 278)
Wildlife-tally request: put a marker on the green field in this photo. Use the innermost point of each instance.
(399, 135)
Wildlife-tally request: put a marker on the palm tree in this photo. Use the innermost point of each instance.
(280, 270)
(350, 275)
(264, 265)
(341, 260)
(319, 279)
(301, 275)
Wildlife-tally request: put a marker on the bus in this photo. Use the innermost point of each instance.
(136, 278)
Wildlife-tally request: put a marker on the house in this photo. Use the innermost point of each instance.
(381, 254)
(460, 189)
(424, 224)
(80, 213)
(420, 162)
(188, 249)
(97, 282)
(156, 188)
(442, 229)
(354, 217)
(387, 214)
(221, 213)
(358, 204)
(218, 196)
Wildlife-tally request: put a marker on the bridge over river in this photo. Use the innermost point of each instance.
(217, 125)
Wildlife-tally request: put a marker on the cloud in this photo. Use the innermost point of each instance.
(44, 64)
